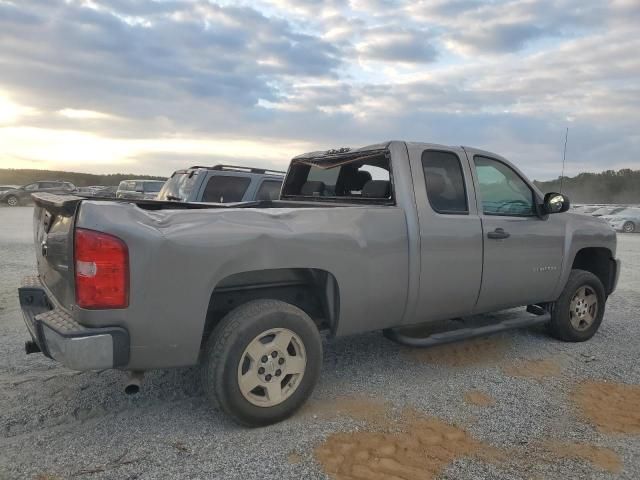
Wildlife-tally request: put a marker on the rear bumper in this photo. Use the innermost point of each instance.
(60, 337)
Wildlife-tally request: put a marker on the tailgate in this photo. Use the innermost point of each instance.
(53, 225)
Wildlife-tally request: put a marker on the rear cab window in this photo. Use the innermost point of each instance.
(353, 177)
(445, 183)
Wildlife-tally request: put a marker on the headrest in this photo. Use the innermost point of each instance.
(312, 188)
(435, 183)
(362, 177)
(376, 189)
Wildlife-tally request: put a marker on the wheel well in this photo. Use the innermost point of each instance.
(598, 261)
(312, 290)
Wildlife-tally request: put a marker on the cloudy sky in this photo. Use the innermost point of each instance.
(151, 86)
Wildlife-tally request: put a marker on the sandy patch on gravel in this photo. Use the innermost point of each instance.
(478, 398)
(600, 457)
(611, 407)
(420, 452)
(479, 351)
(537, 369)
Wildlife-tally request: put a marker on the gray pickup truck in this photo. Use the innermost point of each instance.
(383, 237)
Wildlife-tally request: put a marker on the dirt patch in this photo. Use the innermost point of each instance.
(537, 369)
(420, 452)
(478, 398)
(601, 457)
(611, 407)
(479, 351)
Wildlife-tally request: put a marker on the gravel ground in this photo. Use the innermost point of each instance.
(56, 423)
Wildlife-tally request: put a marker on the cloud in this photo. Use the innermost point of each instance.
(154, 84)
(397, 45)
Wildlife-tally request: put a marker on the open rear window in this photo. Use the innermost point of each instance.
(346, 177)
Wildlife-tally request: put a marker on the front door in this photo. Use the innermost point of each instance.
(522, 252)
(450, 233)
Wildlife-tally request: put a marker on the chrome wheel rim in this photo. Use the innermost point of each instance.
(583, 308)
(12, 201)
(628, 227)
(271, 368)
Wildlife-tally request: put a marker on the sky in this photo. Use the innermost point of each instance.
(105, 86)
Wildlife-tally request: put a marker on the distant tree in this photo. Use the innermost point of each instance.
(25, 176)
(609, 186)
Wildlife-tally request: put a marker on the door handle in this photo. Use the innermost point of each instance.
(498, 234)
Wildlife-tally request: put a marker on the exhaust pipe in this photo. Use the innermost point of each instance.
(133, 384)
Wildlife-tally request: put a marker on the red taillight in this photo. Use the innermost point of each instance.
(102, 270)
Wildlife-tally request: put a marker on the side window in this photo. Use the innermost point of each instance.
(269, 190)
(32, 187)
(502, 190)
(225, 189)
(49, 185)
(445, 182)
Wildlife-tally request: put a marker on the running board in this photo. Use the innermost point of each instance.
(464, 333)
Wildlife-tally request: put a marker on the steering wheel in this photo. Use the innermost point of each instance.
(511, 203)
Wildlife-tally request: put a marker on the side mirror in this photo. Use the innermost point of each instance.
(555, 203)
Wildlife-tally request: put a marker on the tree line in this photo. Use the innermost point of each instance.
(610, 186)
(25, 176)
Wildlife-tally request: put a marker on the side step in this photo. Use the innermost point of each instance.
(464, 333)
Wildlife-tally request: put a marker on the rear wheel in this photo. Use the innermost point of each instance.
(577, 314)
(13, 201)
(629, 227)
(262, 362)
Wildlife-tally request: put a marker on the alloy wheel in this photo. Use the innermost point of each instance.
(583, 308)
(271, 367)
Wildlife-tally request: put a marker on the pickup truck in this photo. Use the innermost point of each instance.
(384, 237)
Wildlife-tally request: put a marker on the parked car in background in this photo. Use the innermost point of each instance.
(101, 191)
(608, 210)
(222, 184)
(22, 195)
(4, 188)
(627, 220)
(139, 189)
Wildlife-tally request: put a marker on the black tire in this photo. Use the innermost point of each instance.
(225, 349)
(629, 227)
(12, 201)
(561, 325)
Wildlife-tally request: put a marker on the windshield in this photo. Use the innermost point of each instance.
(152, 186)
(178, 187)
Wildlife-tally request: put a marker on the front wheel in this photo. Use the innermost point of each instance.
(577, 314)
(262, 362)
(629, 227)
(13, 201)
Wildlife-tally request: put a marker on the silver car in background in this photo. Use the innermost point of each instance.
(139, 189)
(627, 220)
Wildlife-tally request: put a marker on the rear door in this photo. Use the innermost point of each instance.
(522, 252)
(450, 233)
